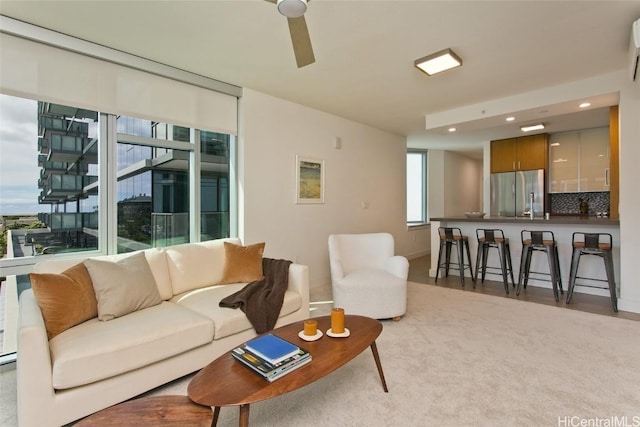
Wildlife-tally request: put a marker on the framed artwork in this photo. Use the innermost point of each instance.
(309, 180)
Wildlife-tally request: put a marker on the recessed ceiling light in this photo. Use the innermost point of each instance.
(530, 128)
(510, 119)
(452, 129)
(438, 62)
(585, 105)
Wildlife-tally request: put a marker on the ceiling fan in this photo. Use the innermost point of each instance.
(294, 11)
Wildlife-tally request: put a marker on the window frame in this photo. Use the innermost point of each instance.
(424, 190)
(108, 192)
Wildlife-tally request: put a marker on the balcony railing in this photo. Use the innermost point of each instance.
(62, 185)
(70, 221)
(169, 229)
(173, 228)
(61, 125)
(214, 225)
(51, 168)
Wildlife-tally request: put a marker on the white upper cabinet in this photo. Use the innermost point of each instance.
(564, 154)
(579, 161)
(594, 160)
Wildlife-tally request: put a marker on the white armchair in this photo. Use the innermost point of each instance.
(366, 277)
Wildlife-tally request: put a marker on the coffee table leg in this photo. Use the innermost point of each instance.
(244, 415)
(374, 349)
(216, 413)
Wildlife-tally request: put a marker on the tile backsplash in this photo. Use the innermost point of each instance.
(569, 203)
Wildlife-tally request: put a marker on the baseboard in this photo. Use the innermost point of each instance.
(419, 254)
(628, 305)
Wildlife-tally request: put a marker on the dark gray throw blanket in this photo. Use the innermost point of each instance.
(262, 300)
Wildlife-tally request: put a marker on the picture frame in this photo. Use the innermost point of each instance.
(309, 180)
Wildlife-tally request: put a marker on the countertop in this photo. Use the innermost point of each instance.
(553, 219)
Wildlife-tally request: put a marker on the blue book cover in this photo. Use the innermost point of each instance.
(272, 348)
(267, 370)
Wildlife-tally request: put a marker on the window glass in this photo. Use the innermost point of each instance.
(416, 187)
(48, 177)
(214, 185)
(153, 187)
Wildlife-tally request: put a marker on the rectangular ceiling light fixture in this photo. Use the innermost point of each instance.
(530, 128)
(438, 62)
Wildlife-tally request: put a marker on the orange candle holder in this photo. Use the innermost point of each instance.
(310, 327)
(337, 320)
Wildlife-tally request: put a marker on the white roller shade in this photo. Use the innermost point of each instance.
(38, 71)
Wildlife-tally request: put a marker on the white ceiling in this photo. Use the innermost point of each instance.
(365, 51)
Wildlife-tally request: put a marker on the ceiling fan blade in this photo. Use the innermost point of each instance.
(272, 1)
(301, 41)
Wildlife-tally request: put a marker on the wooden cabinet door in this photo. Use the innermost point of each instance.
(503, 155)
(564, 159)
(594, 159)
(532, 152)
(614, 163)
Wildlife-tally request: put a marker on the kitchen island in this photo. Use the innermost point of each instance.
(562, 226)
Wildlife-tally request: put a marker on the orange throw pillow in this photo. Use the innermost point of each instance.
(242, 263)
(66, 299)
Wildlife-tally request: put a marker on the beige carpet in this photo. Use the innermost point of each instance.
(466, 359)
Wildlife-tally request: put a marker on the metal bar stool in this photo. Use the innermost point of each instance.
(541, 241)
(453, 236)
(493, 238)
(598, 244)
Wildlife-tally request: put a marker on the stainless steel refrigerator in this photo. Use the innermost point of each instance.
(510, 193)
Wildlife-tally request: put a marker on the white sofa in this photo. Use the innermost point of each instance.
(97, 364)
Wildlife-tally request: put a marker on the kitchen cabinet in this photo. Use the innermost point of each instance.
(519, 154)
(614, 163)
(579, 161)
(564, 163)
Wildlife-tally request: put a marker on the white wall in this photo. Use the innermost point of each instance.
(369, 169)
(463, 181)
(436, 183)
(455, 184)
(629, 208)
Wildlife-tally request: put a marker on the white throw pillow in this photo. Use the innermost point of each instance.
(123, 286)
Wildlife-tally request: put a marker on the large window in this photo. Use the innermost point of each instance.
(170, 185)
(50, 186)
(154, 197)
(416, 187)
(48, 178)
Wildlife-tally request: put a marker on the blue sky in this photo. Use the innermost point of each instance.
(19, 170)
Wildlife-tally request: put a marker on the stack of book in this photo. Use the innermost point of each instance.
(271, 357)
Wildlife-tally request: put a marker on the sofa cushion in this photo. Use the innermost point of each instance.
(156, 257)
(123, 286)
(196, 265)
(242, 263)
(94, 350)
(228, 321)
(66, 299)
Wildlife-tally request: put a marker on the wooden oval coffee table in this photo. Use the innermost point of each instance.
(226, 382)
